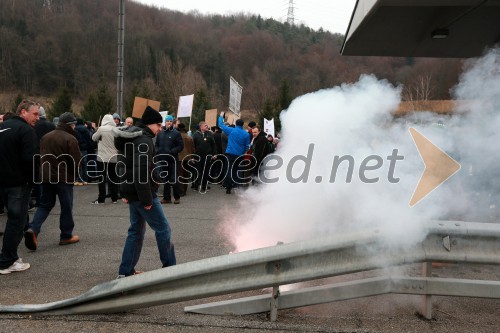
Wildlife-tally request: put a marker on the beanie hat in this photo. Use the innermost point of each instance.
(169, 118)
(67, 118)
(151, 116)
(116, 116)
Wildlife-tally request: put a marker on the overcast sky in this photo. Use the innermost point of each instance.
(331, 15)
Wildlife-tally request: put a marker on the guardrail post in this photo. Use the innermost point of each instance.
(427, 299)
(274, 303)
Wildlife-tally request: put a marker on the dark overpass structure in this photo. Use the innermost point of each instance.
(423, 28)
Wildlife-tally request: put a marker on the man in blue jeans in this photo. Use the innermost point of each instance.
(18, 144)
(59, 158)
(138, 188)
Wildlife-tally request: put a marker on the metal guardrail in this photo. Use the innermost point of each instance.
(449, 241)
(351, 290)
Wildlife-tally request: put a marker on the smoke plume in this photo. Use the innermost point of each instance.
(314, 199)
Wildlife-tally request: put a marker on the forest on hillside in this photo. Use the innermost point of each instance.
(54, 48)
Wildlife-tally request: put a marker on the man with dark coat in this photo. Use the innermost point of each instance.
(169, 144)
(84, 143)
(205, 150)
(59, 158)
(42, 127)
(18, 143)
(138, 188)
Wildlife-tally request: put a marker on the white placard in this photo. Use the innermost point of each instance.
(164, 115)
(269, 127)
(234, 96)
(185, 106)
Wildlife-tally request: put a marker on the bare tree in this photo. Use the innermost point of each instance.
(418, 91)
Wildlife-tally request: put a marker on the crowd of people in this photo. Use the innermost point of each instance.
(43, 161)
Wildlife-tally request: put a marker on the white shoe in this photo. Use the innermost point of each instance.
(17, 266)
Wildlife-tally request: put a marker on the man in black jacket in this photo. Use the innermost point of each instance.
(169, 144)
(205, 150)
(138, 188)
(84, 143)
(18, 144)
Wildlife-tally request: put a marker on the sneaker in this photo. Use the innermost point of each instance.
(177, 201)
(30, 240)
(72, 240)
(115, 202)
(17, 266)
(97, 202)
(166, 201)
(78, 183)
(121, 276)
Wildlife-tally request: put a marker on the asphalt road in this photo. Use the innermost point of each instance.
(61, 272)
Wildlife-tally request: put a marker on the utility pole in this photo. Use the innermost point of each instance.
(121, 43)
(290, 18)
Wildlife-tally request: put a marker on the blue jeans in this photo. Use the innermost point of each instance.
(17, 199)
(133, 245)
(48, 200)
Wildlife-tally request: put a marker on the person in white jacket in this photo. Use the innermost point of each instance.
(106, 160)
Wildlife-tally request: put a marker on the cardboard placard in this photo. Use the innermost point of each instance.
(211, 117)
(140, 105)
(231, 118)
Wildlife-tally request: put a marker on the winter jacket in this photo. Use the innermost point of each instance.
(204, 143)
(188, 146)
(106, 150)
(83, 137)
(136, 152)
(59, 155)
(260, 147)
(169, 141)
(43, 126)
(238, 139)
(18, 144)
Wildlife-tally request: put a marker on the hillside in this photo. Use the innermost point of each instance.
(73, 44)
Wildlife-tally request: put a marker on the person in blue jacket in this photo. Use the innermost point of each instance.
(237, 145)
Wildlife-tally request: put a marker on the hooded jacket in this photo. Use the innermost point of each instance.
(136, 152)
(106, 150)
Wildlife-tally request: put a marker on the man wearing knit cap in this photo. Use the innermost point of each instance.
(117, 119)
(59, 160)
(138, 188)
(168, 145)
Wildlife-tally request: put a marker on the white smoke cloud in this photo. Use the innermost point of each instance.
(356, 120)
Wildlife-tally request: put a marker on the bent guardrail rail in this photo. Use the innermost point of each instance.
(446, 241)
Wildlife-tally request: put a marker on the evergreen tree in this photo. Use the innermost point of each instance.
(285, 97)
(62, 104)
(17, 101)
(200, 105)
(104, 100)
(129, 102)
(90, 110)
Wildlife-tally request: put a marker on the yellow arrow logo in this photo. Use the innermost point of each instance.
(439, 166)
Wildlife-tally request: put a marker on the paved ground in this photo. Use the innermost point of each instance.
(60, 272)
